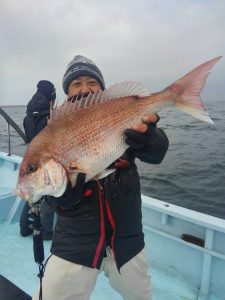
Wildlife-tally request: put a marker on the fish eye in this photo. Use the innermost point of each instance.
(31, 168)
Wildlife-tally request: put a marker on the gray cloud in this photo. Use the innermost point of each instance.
(154, 42)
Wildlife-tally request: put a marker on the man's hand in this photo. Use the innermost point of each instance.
(142, 127)
(140, 134)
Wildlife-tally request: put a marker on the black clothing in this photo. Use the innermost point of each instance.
(38, 110)
(47, 89)
(109, 213)
(47, 219)
(70, 193)
(25, 223)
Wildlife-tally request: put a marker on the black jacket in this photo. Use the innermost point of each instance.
(38, 110)
(109, 213)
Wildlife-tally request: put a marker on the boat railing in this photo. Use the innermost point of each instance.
(205, 234)
(11, 123)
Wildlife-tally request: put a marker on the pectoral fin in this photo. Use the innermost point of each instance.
(103, 174)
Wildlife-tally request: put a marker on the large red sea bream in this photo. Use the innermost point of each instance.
(87, 136)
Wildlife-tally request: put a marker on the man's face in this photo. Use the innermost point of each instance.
(83, 85)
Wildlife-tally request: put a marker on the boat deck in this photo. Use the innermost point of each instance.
(17, 265)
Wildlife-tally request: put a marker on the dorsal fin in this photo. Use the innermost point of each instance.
(118, 90)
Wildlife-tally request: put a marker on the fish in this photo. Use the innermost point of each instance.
(88, 135)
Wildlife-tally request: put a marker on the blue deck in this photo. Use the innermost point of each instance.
(17, 264)
(180, 270)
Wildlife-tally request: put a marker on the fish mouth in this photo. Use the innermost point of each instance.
(30, 199)
(22, 192)
(28, 195)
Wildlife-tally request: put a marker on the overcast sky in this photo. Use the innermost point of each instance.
(151, 41)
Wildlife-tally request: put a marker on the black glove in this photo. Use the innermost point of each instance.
(71, 196)
(138, 140)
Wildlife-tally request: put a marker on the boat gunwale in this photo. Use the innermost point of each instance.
(186, 214)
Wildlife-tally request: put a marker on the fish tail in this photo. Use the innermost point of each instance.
(186, 91)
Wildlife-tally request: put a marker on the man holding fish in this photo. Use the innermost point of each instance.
(84, 159)
(99, 225)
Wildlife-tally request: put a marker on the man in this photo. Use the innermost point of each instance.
(99, 224)
(38, 110)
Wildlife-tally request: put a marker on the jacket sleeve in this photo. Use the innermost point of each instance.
(67, 200)
(155, 150)
(71, 197)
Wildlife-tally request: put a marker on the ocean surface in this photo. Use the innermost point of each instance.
(192, 175)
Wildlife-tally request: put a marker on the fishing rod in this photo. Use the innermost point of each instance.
(10, 121)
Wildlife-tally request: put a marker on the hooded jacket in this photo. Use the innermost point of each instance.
(38, 110)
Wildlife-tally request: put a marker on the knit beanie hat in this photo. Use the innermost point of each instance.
(81, 66)
(47, 89)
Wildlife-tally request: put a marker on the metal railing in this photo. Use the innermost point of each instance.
(10, 122)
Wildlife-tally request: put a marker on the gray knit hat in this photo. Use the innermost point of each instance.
(81, 66)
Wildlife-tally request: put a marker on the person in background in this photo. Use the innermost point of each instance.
(99, 223)
(38, 111)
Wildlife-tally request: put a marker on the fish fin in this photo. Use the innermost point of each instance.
(186, 91)
(51, 112)
(124, 89)
(103, 174)
(198, 114)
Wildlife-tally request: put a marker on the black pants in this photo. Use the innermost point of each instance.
(47, 219)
